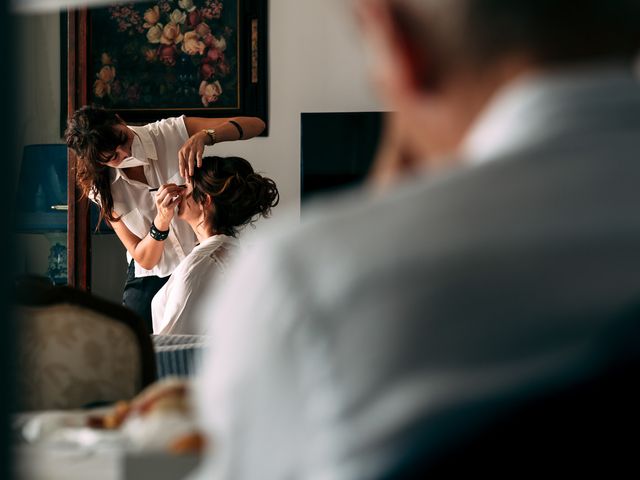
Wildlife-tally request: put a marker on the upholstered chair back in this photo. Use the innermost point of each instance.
(75, 350)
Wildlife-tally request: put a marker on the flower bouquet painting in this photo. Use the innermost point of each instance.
(169, 56)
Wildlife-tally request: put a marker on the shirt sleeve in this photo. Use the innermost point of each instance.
(169, 134)
(179, 303)
(172, 127)
(249, 395)
(192, 282)
(178, 125)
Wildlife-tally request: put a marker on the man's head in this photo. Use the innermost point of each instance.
(437, 62)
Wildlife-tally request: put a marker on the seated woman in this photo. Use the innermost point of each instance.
(221, 197)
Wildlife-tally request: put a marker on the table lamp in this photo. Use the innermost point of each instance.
(41, 206)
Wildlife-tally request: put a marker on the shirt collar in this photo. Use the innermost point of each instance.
(537, 106)
(142, 148)
(215, 240)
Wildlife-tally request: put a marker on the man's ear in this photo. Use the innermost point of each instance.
(403, 64)
(416, 55)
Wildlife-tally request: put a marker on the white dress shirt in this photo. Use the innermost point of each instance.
(202, 271)
(335, 342)
(156, 147)
(532, 108)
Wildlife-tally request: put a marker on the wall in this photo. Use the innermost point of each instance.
(39, 79)
(316, 64)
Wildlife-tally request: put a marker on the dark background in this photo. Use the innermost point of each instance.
(337, 150)
(8, 165)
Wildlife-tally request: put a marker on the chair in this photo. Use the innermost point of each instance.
(179, 355)
(76, 350)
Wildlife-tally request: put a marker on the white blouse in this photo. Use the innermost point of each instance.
(173, 307)
(156, 147)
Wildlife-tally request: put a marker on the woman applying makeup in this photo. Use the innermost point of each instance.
(117, 167)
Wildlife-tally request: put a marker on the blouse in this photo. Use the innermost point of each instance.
(174, 305)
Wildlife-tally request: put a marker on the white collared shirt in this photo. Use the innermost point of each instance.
(173, 306)
(156, 147)
(338, 343)
(533, 108)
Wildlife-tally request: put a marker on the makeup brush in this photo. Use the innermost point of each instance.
(156, 189)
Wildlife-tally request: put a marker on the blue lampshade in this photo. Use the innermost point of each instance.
(42, 184)
(42, 191)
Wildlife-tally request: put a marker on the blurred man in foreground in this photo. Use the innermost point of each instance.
(390, 328)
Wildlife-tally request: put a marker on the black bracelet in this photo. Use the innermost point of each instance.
(237, 125)
(156, 234)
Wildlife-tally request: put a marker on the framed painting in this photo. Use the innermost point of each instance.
(161, 58)
(157, 59)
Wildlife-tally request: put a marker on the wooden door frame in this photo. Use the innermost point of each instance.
(78, 224)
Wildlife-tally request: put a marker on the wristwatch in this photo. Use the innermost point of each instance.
(212, 134)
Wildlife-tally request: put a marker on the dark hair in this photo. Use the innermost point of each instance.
(550, 31)
(90, 134)
(237, 193)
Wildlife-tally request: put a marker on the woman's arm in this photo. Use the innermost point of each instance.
(191, 152)
(148, 251)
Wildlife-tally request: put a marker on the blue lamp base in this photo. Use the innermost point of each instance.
(57, 264)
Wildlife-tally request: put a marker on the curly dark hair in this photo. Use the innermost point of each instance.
(238, 194)
(90, 134)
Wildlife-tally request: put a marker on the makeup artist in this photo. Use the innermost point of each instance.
(135, 175)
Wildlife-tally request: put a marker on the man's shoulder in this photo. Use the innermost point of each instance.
(368, 222)
(352, 231)
(535, 195)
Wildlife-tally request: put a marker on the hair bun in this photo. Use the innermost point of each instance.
(238, 193)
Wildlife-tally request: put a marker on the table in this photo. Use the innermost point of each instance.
(57, 445)
(32, 462)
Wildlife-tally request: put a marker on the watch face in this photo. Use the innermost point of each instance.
(212, 134)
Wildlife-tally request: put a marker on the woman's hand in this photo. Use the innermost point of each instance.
(190, 155)
(227, 130)
(168, 197)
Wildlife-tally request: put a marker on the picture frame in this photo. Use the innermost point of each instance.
(162, 58)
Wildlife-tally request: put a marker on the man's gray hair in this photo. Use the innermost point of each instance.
(550, 31)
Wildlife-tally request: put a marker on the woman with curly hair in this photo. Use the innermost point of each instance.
(136, 175)
(223, 195)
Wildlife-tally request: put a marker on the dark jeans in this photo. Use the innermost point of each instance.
(138, 293)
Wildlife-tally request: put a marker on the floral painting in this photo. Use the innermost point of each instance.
(165, 54)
